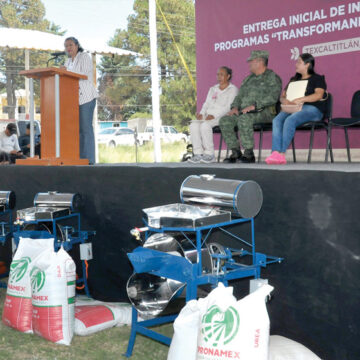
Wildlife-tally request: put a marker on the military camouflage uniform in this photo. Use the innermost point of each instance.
(263, 91)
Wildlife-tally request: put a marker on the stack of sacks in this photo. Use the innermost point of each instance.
(41, 291)
(41, 296)
(18, 305)
(220, 327)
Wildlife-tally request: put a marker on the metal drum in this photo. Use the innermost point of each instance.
(61, 200)
(242, 198)
(7, 199)
(151, 294)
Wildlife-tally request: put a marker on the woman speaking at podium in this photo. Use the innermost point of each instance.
(80, 62)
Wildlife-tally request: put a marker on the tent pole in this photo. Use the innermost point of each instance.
(95, 118)
(154, 80)
(32, 128)
(27, 92)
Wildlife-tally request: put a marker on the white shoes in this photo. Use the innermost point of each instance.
(208, 159)
(195, 159)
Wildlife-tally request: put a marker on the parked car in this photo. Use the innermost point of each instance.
(21, 124)
(167, 133)
(116, 136)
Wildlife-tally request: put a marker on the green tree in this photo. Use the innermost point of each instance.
(124, 85)
(23, 15)
(128, 79)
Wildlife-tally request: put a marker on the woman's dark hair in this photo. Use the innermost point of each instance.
(228, 71)
(307, 59)
(76, 42)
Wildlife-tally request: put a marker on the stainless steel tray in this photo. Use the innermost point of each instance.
(27, 214)
(184, 215)
(42, 213)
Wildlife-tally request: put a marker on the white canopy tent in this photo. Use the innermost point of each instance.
(38, 40)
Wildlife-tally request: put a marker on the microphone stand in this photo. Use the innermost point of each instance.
(53, 58)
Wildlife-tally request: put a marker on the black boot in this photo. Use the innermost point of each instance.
(235, 155)
(248, 156)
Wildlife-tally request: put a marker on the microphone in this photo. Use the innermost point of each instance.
(56, 54)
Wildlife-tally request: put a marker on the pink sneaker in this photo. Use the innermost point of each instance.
(272, 159)
(276, 159)
(282, 159)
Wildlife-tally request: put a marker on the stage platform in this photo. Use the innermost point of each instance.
(309, 217)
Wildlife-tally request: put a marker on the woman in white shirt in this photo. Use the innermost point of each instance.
(80, 62)
(217, 104)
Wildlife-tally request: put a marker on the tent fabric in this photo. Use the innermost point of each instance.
(38, 40)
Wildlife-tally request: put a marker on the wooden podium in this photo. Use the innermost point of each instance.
(59, 106)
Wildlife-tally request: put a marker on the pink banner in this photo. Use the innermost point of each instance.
(228, 30)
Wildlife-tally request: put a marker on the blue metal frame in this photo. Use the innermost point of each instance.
(77, 237)
(158, 263)
(6, 233)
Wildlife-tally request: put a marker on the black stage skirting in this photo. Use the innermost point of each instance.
(309, 217)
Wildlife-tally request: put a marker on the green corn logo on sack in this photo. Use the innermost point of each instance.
(18, 269)
(37, 279)
(218, 327)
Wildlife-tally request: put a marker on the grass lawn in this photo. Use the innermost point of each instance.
(109, 344)
(145, 153)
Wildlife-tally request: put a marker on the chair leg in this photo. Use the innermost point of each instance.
(311, 143)
(260, 143)
(347, 144)
(293, 149)
(328, 145)
(220, 147)
(331, 152)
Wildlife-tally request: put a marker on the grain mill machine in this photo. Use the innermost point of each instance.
(58, 214)
(178, 257)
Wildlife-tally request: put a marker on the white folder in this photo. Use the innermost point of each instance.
(296, 89)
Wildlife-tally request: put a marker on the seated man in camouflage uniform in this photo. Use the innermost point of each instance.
(255, 103)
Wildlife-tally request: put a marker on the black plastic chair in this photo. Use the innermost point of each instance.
(353, 121)
(266, 126)
(315, 125)
(261, 127)
(217, 130)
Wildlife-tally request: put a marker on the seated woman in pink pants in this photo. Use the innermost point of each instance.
(217, 104)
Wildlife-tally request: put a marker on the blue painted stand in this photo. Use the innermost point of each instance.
(180, 269)
(76, 237)
(6, 233)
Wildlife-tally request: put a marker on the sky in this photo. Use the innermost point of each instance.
(94, 19)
